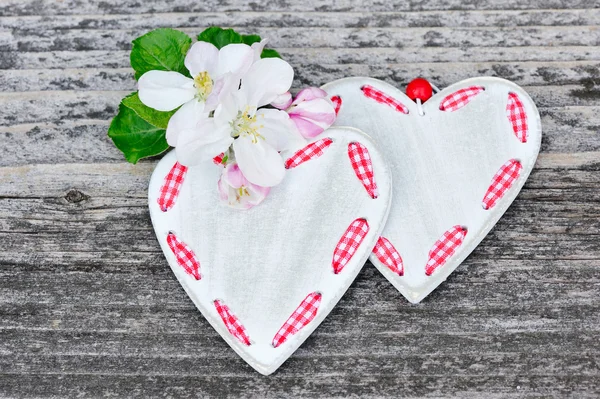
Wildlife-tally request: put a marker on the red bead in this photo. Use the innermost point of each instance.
(419, 88)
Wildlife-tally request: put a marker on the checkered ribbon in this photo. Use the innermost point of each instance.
(381, 97)
(184, 255)
(313, 150)
(232, 323)
(515, 111)
(171, 187)
(349, 243)
(501, 182)
(304, 313)
(363, 167)
(389, 256)
(459, 98)
(337, 103)
(444, 248)
(218, 160)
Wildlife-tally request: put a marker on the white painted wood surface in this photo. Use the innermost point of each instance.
(442, 163)
(263, 262)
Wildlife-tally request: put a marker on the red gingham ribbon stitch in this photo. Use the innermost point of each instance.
(313, 150)
(337, 103)
(304, 313)
(232, 323)
(389, 256)
(444, 248)
(381, 97)
(184, 255)
(363, 167)
(349, 243)
(218, 160)
(170, 189)
(515, 111)
(501, 182)
(459, 98)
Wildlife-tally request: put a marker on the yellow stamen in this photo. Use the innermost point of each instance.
(203, 84)
(245, 124)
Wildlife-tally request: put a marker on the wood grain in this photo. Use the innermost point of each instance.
(89, 308)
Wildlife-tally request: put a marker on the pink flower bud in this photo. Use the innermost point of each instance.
(237, 191)
(311, 112)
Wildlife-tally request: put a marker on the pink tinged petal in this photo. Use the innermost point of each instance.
(202, 143)
(307, 128)
(320, 110)
(223, 189)
(267, 79)
(235, 59)
(310, 93)
(233, 176)
(282, 101)
(202, 57)
(165, 90)
(313, 117)
(186, 118)
(260, 163)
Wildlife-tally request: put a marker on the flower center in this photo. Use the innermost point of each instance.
(241, 192)
(204, 85)
(245, 124)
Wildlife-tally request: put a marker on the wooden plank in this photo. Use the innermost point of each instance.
(334, 383)
(74, 7)
(248, 21)
(117, 39)
(42, 62)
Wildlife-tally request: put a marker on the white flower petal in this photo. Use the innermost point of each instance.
(202, 57)
(260, 163)
(258, 48)
(165, 90)
(282, 101)
(267, 79)
(235, 59)
(186, 118)
(202, 143)
(278, 129)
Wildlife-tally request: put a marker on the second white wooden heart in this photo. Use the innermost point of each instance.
(458, 163)
(265, 278)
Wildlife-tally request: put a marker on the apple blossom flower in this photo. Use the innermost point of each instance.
(260, 134)
(237, 191)
(311, 112)
(215, 73)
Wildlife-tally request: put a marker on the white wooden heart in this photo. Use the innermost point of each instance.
(257, 266)
(443, 164)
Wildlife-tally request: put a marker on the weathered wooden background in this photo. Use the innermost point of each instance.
(89, 308)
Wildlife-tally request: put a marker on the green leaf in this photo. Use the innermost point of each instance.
(135, 137)
(220, 37)
(208, 34)
(251, 39)
(160, 49)
(269, 53)
(157, 118)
